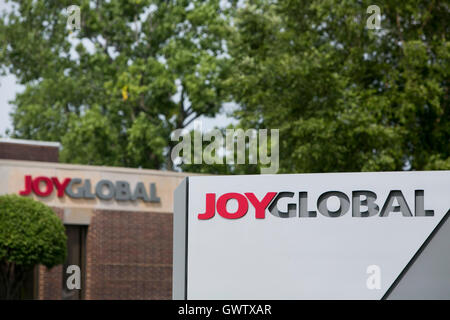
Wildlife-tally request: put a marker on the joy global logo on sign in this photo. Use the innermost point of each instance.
(395, 203)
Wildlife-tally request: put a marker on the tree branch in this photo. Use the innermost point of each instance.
(195, 117)
(399, 31)
(182, 115)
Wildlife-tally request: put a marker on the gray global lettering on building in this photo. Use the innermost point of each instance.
(108, 190)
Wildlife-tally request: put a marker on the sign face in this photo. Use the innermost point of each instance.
(310, 236)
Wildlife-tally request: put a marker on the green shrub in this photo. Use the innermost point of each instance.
(30, 234)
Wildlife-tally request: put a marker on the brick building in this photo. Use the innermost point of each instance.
(118, 222)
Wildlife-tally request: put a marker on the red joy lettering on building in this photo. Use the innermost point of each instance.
(44, 186)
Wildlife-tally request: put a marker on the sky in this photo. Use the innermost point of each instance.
(9, 88)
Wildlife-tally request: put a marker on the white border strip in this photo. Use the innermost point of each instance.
(31, 142)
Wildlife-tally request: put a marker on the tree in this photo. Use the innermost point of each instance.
(30, 234)
(113, 91)
(346, 98)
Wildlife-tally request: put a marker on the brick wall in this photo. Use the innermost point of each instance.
(50, 283)
(129, 256)
(18, 151)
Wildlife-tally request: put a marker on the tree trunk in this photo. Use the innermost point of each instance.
(12, 278)
(169, 161)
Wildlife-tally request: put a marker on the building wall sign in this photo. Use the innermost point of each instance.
(78, 188)
(370, 235)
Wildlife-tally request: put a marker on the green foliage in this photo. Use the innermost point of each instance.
(114, 91)
(344, 97)
(30, 233)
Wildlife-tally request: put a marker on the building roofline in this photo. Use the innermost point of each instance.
(80, 167)
(31, 142)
